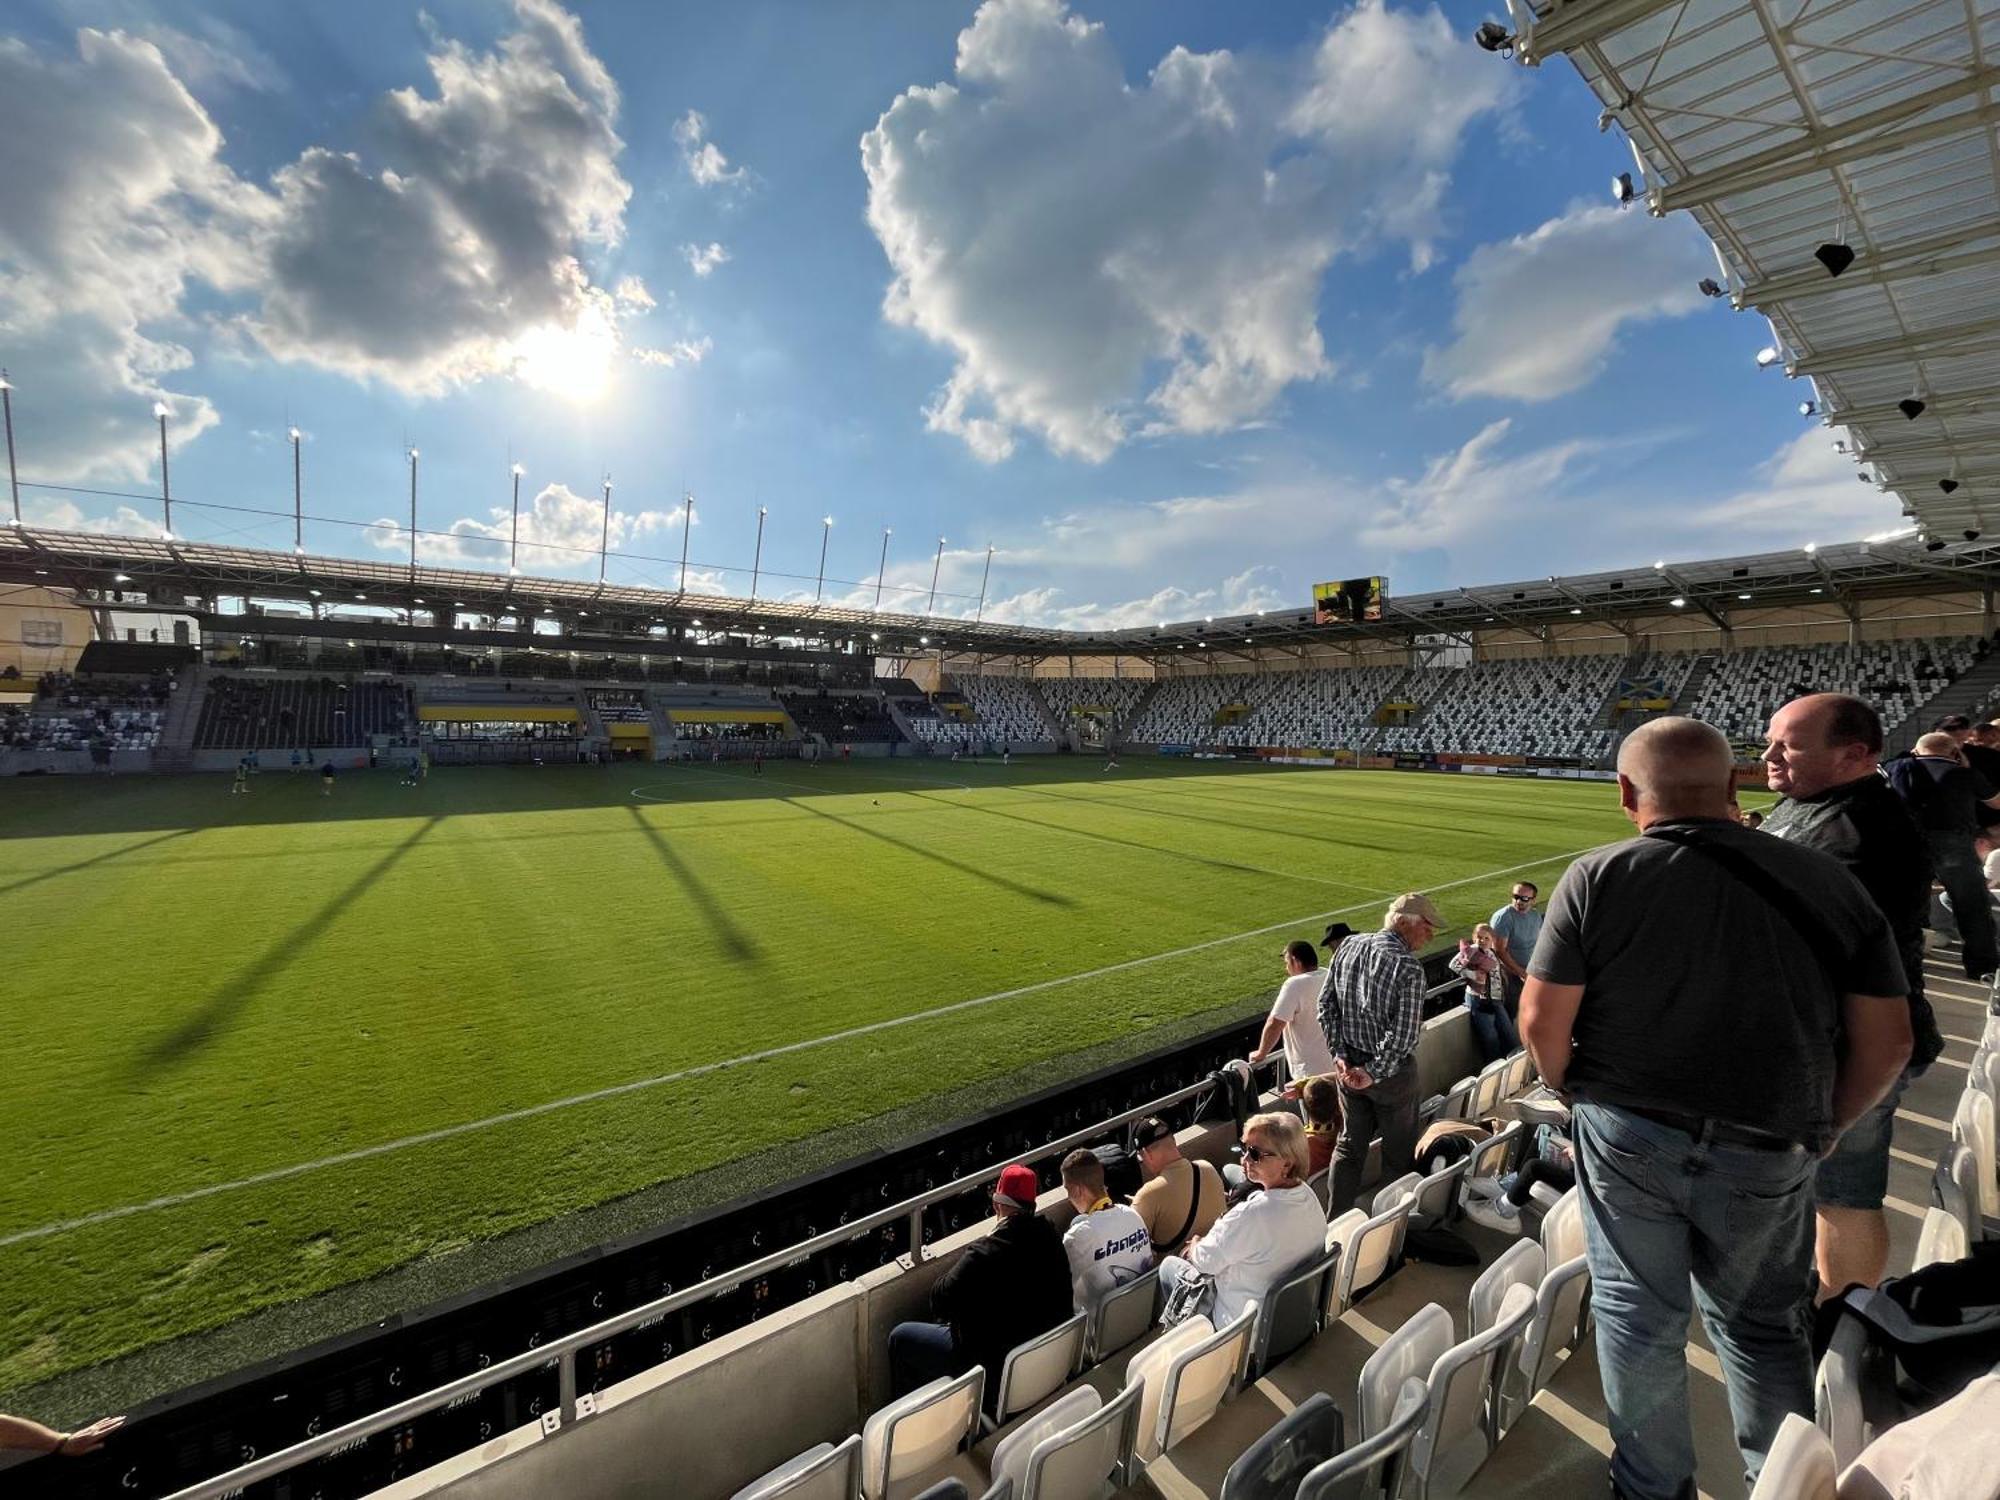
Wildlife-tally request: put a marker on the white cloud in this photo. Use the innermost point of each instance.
(1476, 490)
(67, 515)
(1540, 314)
(1805, 492)
(1106, 259)
(560, 533)
(681, 352)
(703, 259)
(703, 158)
(1250, 592)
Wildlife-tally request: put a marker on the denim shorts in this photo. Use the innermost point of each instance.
(1856, 1175)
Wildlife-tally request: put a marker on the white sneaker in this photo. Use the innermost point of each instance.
(1496, 1214)
(1477, 1188)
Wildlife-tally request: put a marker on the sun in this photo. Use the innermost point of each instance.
(572, 362)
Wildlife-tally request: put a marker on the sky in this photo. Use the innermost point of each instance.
(1177, 307)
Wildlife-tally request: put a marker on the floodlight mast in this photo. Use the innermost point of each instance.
(298, 499)
(166, 490)
(757, 560)
(514, 537)
(882, 569)
(825, 532)
(13, 476)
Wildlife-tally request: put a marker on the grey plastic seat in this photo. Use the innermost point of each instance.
(1299, 1442)
(1199, 1378)
(1955, 1188)
(1071, 1449)
(1411, 1350)
(824, 1472)
(1435, 1203)
(1124, 1316)
(1373, 1468)
(1459, 1430)
(1557, 1325)
(1037, 1369)
(1288, 1315)
(1492, 1156)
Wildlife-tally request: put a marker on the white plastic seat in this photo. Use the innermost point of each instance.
(1372, 1468)
(1124, 1316)
(1486, 1092)
(1520, 1264)
(1407, 1353)
(1147, 1372)
(1398, 1195)
(1069, 1450)
(1037, 1369)
(1837, 1399)
(823, 1472)
(1198, 1380)
(1367, 1251)
(1800, 1465)
(1557, 1323)
(1459, 1431)
(1492, 1156)
(1434, 1201)
(1562, 1229)
(1972, 1127)
(1457, 1101)
(908, 1438)
(1941, 1239)
(1955, 1188)
(1520, 1075)
(1009, 1461)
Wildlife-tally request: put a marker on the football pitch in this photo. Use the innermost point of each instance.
(264, 1046)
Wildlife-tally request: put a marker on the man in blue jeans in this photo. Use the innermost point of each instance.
(1720, 1006)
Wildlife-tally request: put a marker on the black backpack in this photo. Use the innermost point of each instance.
(1121, 1171)
(1929, 1334)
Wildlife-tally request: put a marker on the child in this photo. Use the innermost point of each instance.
(1478, 961)
(1322, 1103)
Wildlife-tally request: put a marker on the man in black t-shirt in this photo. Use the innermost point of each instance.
(1945, 796)
(1721, 1005)
(1824, 760)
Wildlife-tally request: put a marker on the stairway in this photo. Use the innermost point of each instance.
(663, 729)
(183, 714)
(1059, 734)
(1970, 695)
(897, 717)
(1691, 685)
(1608, 712)
(1122, 730)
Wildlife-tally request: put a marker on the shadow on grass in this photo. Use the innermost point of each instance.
(738, 943)
(221, 1008)
(96, 859)
(1048, 898)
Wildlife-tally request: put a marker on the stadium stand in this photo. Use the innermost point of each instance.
(103, 710)
(1185, 709)
(1517, 707)
(277, 713)
(852, 717)
(1898, 677)
(1113, 698)
(1007, 709)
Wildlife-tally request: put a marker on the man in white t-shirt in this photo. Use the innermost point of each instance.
(1294, 1018)
(1106, 1242)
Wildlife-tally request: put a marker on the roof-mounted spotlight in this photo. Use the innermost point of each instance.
(1835, 256)
(1678, 603)
(1493, 37)
(1768, 356)
(1621, 189)
(1810, 548)
(1949, 486)
(1971, 533)
(1934, 545)
(1808, 408)
(1708, 286)
(1911, 407)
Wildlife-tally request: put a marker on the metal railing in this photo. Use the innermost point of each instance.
(562, 1352)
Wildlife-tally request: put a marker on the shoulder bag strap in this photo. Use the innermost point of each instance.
(1817, 934)
(1168, 1247)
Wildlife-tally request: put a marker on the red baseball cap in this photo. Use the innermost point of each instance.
(1018, 1186)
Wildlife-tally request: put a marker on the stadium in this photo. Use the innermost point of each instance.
(504, 1031)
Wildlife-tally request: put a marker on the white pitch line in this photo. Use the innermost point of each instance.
(529, 1112)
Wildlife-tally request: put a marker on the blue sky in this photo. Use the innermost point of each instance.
(1179, 306)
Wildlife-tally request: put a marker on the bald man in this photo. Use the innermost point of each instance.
(1720, 1006)
(1823, 759)
(1946, 798)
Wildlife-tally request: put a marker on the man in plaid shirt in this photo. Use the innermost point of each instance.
(1371, 1008)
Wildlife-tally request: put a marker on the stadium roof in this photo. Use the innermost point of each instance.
(1796, 131)
(178, 575)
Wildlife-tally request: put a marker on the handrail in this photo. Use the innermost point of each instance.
(562, 1352)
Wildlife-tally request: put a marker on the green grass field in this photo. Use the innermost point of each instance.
(204, 989)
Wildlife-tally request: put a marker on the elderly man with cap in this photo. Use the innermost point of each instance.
(1370, 1011)
(1004, 1288)
(1721, 1005)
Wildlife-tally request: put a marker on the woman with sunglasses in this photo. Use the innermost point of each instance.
(1267, 1236)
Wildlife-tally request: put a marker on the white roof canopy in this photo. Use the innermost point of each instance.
(1786, 125)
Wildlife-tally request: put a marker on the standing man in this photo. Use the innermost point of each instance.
(1294, 1020)
(1823, 759)
(1370, 1011)
(1946, 797)
(1720, 1006)
(1517, 925)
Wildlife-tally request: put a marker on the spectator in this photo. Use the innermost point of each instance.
(1478, 962)
(1004, 1288)
(1943, 796)
(1518, 925)
(32, 1437)
(1552, 1166)
(1265, 1237)
(1754, 821)
(1980, 746)
(1721, 1006)
(1321, 1098)
(1180, 1198)
(1370, 1010)
(1987, 847)
(1294, 1018)
(1823, 760)
(1106, 1242)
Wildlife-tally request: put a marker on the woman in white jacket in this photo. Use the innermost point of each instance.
(1267, 1236)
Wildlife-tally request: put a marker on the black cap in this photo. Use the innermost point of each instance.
(1150, 1131)
(1335, 931)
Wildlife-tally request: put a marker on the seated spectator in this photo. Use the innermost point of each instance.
(1180, 1197)
(1003, 1289)
(1321, 1097)
(1266, 1236)
(1106, 1242)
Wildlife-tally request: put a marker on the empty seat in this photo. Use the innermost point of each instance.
(1562, 1229)
(1799, 1466)
(1408, 1352)
(1272, 1467)
(1972, 1127)
(1520, 1264)
(1321, 1183)
(907, 1439)
(1520, 1075)
(1489, 1088)
(1955, 1188)
(1557, 1323)
(824, 1472)
(1373, 1468)
(1122, 1317)
(1196, 1381)
(1070, 1449)
(1838, 1405)
(1492, 1157)
(1456, 1103)
(1367, 1249)
(1941, 1239)
(1037, 1369)
(1289, 1314)
(1434, 1202)
(1461, 1426)
(1147, 1372)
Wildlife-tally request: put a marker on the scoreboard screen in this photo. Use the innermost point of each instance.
(1354, 601)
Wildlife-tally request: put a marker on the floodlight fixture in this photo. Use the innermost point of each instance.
(1768, 356)
(517, 471)
(1708, 286)
(1575, 611)
(1911, 407)
(1949, 486)
(160, 409)
(1810, 548)
(1971, 533)
(1659, 565)
(294, 434)
(1743, 596)
(1808, 408)
(1935, 544)
(121, 577)
(1493, 37)
(1677, 602)
(1835, 256)
(1621, 189)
